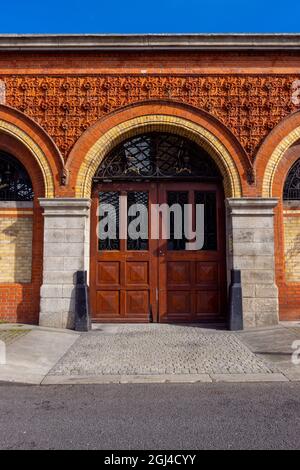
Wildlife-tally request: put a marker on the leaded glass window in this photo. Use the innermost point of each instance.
(138, 200)
(177, 241)
(109, 210)
(292, 184)
(157, 155)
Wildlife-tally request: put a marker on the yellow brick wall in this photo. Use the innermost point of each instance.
(15, 249)
(292, 247)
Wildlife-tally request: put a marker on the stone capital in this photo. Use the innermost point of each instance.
(251, 206)
(65, 207)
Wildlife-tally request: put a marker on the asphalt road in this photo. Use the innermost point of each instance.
(160, 416)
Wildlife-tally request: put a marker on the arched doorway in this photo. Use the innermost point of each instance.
(146, 277)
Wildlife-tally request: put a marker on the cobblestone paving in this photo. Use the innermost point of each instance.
(158, 349)
(9, 336)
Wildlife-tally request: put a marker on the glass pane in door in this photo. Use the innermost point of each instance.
(177, 240)
(137, 207)
(208, 198)
(109, 208)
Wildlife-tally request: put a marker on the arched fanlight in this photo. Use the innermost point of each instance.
(292, 183)
(15, 183)
(157, 155)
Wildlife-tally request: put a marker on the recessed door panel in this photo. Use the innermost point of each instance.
(137, 272)
(207, 303)
(137, 303)
(178, 273)
(179, 303)
(108, 273)
(207, 272)
(108, 302)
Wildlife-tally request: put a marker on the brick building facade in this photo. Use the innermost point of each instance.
(67, 103)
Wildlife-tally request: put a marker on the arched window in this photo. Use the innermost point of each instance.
(15, 183)
(292, 184)
(157, 155)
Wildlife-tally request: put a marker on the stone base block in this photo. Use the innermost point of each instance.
(57, 319)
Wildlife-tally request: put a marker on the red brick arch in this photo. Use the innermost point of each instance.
(22, 136)
(166, 108)
(281, 133)
(283, 168)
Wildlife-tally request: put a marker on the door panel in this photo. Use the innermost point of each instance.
(133, 279)
(192, 284)
(123, 272)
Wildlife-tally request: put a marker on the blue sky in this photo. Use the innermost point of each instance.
(151, 16)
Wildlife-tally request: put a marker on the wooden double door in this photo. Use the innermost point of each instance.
(154, 278)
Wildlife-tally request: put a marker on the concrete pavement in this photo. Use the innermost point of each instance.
(30, 357)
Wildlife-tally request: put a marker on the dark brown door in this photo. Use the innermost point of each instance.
(192, 284)
(136, 280)
(123, 272)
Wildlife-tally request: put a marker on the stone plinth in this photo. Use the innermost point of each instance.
(66, 251)
(250, 228)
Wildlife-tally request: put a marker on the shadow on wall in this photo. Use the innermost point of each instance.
(16, 268)
(292, 259)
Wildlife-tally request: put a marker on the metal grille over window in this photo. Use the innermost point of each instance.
(208, 198)
(292, 184)
(137, 204)
(177, 239)
(157, 155)
(15, 183)
(108, 228)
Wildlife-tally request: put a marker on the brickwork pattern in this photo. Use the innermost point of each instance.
(19, 293)
(65, 106)
(292, 247)
(15, 249)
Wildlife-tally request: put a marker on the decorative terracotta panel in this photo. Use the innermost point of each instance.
(249, 105)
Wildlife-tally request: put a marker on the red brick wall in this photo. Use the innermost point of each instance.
(65, 93)
(20, 302)
(289, 292)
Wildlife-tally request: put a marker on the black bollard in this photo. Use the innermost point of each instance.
(235, 301)
(82, 314)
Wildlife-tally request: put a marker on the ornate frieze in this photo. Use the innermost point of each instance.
(65, 106)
